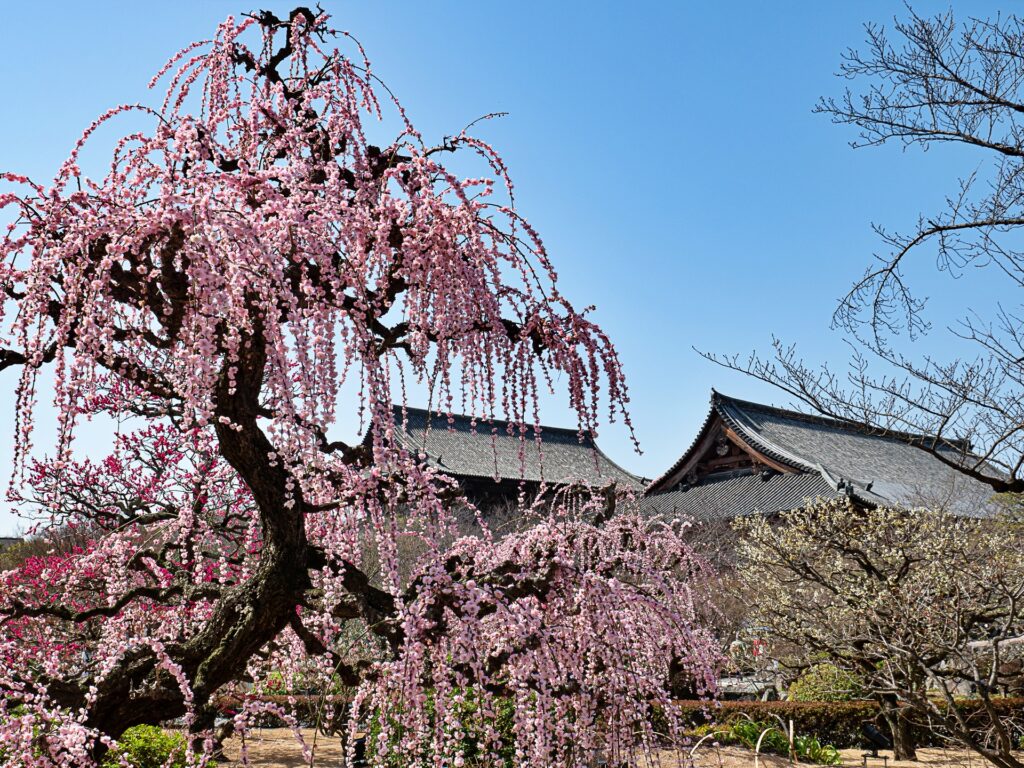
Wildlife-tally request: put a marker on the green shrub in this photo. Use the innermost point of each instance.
(472, 724)
(827, 682)
(837, 723)
(741, 730)
(147, 746)
(748, 732)
(810, 750)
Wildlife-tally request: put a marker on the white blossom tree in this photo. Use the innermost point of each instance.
(923, 606)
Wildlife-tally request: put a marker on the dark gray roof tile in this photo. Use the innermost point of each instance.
(496, 449)
(881, 467)
(729, 497)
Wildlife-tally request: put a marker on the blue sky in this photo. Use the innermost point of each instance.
(666, 151)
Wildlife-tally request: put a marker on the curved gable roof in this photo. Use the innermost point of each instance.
(496, 449)
(726, 498)
(876, 467)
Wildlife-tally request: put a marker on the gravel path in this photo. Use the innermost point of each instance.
(278, 748)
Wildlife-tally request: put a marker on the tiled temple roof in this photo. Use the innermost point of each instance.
(726, 498)
(496, 449)
(874, 467)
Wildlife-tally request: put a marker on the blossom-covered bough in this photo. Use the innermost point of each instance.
(244, 258)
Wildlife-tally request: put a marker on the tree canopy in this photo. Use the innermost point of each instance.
(244, 257)
(923, 606)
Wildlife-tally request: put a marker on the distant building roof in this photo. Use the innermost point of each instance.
(725, 498)
(495, 449)
(741, 442)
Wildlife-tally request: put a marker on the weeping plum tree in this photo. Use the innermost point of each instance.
(243, 257)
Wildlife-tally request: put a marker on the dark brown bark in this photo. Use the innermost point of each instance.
(247, 616)
(903, 742)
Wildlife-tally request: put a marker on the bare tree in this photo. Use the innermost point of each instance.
(58, 540)
(934, 82)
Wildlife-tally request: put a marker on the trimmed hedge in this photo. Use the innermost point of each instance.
(837, 723)
(310, 710)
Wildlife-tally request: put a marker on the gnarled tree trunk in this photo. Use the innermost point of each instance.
(904, 745)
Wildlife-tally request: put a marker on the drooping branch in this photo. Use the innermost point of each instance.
(236, 267)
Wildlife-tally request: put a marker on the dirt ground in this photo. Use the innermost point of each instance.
(278, 748)
(738, 757)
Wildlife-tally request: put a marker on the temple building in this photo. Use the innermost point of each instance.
(751, 458)
(747, 458)
(494, 462)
